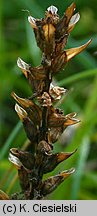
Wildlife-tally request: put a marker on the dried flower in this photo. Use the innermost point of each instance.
(56, 92)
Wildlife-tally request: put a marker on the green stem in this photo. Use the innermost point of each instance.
(79, 76)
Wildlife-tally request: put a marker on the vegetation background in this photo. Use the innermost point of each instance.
(79, 77)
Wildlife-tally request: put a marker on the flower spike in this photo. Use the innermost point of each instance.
(42, 121)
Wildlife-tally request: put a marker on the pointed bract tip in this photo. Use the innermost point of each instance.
(70, 8)
(14, 95)
(73, 5)
(71, 121)
(69, 11)
(64, 155)
(70, 53)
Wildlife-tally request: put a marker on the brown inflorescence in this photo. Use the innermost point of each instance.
(43, 123)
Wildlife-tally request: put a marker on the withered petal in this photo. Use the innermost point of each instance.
(67, 173)
(70, 120)
(14, 151)
(21, 112)
(15, 161)
(70, 53)
(23, 66)
(73, 21)
(52, 9)
(32, 21)
(45, 99)
(56, 92)
(71, 115)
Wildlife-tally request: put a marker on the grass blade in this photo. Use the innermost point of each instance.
(10, 139)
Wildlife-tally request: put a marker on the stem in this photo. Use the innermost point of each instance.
(43, 129)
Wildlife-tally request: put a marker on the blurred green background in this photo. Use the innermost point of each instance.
(79, 77)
